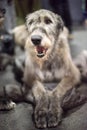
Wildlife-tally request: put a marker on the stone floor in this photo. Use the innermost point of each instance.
(21, 117)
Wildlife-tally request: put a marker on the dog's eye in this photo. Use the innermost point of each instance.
(31, 22)
(47, 20)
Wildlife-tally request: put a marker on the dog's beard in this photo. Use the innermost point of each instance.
(41, 51)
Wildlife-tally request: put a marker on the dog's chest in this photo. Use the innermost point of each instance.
(47, 75)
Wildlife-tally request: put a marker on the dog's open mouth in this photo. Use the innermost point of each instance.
(41, 51)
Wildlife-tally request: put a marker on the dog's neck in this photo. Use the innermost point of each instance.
(40, 61)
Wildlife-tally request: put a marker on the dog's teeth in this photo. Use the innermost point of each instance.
(40, 55)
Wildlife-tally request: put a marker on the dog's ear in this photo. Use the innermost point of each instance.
(60, 23)
(27, 19)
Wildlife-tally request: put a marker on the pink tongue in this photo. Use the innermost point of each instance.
(40, 49)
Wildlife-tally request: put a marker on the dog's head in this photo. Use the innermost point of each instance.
(44, 27)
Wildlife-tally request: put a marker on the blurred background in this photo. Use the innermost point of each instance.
(73, 12)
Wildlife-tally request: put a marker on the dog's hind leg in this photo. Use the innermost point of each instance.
(8, 94)
(72, 99)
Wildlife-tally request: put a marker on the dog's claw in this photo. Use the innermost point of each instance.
(40, 118)
(54, 117)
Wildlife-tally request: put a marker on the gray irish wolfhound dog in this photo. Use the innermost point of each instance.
(47, 59)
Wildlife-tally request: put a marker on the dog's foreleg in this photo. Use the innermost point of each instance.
(41, 104)
(68, 82)
(39, 97)
(36, 89)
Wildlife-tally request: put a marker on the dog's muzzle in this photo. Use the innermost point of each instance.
(36, 40)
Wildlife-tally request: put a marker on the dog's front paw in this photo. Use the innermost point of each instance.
(55, 112)
(40, 113)
(40, 117)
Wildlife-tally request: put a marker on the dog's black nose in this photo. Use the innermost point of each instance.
(36, 39)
